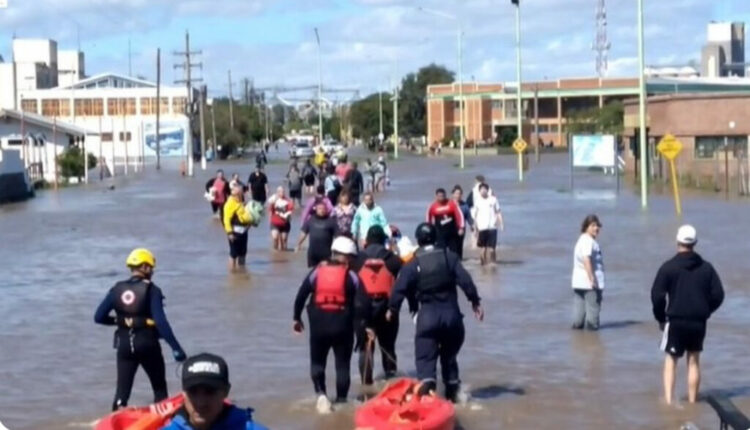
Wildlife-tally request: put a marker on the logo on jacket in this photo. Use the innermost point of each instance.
(128, 297)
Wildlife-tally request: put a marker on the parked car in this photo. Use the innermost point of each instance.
(333, 147)
(301, 150)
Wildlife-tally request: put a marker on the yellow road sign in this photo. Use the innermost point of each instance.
(520, 145)
(669, 147)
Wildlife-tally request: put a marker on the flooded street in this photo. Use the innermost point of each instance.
(62, 251)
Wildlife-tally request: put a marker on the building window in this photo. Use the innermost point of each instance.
(497, 104)
(164, 105)
(107, 137)
(543, 128)
(553, 128)
(148, 105)
(56, 107)
(179, 105)
(125, 136)
(707, 147)
(121, 106)
(29, 106)
(89, 107)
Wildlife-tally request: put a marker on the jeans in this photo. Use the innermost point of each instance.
(586, 307)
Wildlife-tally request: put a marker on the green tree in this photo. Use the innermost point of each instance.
(412, 103)
(605, 120)
(365, 116)
(72, 164)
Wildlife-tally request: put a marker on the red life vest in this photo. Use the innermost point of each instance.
(377, 279)
(330, 287)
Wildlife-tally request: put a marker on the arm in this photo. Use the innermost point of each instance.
(160, 318)
(243, 215)
(499, 216)
(716, 292)
(210, 184)
(404, 287)
(659, 296)
(102, 315)
(302, 294)
(464, 281)
(459, 216)
(228, 213)
(355, 224)
(428, 218)
(303, 236)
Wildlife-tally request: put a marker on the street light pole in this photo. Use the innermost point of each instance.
(395, 122)
(642, 108)
(320, 92)
(518, 69)
(380, 113)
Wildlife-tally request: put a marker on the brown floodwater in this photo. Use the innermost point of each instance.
(63, 250)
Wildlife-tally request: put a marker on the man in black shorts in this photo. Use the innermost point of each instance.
(258, 182)
(686, 291)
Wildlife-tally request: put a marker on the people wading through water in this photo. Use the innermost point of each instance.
(355, 183)
(322, 229)
(313, 201)
(308, 175)
(448, 220)
(686, 291)
(378, 268)
(588, 276)
(281, 209)
(368, 214)
(344, 214)
(217, 191)
(337, 298)
(458, 194)
(432, 277)
(258, 182)
(294, 181)
(140, 319)
(332, 186)
(237, 221)
(487, 217)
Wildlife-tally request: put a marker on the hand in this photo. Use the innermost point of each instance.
(461, 231)
(370, 334)
(298, 327)
(662, 325)
(231, 237)
(389, 315)
(179, 355)
(479, 313)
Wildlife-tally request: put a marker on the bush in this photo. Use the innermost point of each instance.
(506, 138)
(71, 162)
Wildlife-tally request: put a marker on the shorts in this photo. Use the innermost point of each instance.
(683, 335)
(295, 194)
(487, 238)
(286, 228)
(309, 180)
(238, 246)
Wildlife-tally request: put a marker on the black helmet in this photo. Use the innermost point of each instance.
(426, 234)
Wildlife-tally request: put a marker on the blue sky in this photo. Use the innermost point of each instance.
(366, 43)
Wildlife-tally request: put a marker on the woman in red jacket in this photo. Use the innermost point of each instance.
(281, 209)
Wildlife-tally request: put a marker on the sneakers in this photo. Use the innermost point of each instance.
(323, 405)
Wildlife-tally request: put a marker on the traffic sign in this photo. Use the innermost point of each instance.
(669, 147)
(520, 145)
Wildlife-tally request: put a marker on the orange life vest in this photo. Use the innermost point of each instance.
(377, 279)
(330, 287)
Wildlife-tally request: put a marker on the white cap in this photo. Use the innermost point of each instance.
(687, 235)
(344, 245)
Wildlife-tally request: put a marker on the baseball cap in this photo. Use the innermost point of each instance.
(205, 369)
(687, 235)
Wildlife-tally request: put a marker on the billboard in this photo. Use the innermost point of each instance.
(593, 151)
(174, 139)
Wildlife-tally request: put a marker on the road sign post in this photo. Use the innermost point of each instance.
(520, 146)
(669, 147)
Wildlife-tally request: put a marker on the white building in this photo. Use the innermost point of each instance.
(71, 67)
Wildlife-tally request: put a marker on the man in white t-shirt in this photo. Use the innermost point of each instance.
(487, 215)
(588, 276)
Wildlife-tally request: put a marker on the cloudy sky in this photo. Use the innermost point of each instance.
(365, 43)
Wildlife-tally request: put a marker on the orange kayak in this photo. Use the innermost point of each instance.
(151, 417)
(398, 407)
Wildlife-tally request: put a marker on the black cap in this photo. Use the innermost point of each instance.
(205, 369)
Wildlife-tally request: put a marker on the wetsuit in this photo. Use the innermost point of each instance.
(385, 332)
(431, 277)
(331, 321)
(448, 219)
(321, 233)
(136, 301)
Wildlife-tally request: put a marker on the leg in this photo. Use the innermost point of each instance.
(275, 239)
(426, 349)
(593, 299)
(460, 247)
(670, 368)
(284, 240)
(694, 375)
(579, 309)
(152, 361)
(449, 347)
(386, 333)
(127, 365)
(233, 253)
(242, 249)
(342, 351)
(319, 347)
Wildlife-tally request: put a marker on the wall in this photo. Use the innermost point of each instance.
(6, 86)
(13, 184)
(55, 144)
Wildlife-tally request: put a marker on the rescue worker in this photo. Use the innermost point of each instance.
(141, 321)
(378, 268)
(431, 277)
(236, 222)
(336, 297)
(449, 222)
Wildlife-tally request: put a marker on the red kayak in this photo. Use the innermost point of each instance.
(398, 407)
(151, 417)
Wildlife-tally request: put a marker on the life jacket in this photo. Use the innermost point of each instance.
(330, 287)
(376, 278)
(219, 185)
(132, 303)
(435, 277)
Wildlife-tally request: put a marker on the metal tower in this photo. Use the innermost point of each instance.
(601, 44)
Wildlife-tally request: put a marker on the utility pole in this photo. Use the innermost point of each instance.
(320, 91)
(395, 122)
(158, 109)
(642, 108)
(380, 112)
(231, 102)
(247, 91)
(201, 113)
(213, 129)
(536, 122)
(188, 66)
